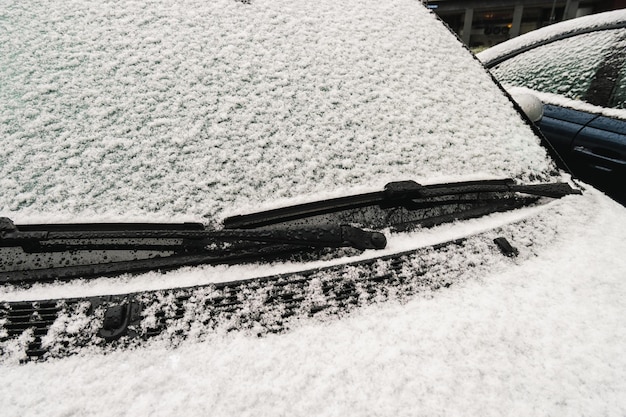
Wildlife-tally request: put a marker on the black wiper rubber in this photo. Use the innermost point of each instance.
(35, 253)
(320, 236)
(397, 194)
(30, 253)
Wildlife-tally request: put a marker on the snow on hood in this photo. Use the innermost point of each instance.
(581, 24)
(193, 109)
(545, 337)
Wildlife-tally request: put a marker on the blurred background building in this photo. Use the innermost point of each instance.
(484, 23)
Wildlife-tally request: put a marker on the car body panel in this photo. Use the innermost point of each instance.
(560, 125)
(605, 144)
(599, 154)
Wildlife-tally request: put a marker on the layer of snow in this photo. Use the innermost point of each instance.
(559, 100)
(561, 73)
(565, 67)
(543, 337)
(157, 110)
(585, 23)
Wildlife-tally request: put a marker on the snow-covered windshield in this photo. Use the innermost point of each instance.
(204, 108)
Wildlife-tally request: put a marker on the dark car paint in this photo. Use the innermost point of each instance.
(593, 146)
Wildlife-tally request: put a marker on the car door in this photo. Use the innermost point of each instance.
(598, 151)
(560, 125)
(599, 155)
(581, 80)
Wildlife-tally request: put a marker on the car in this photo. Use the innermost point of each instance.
(577, 68)
(288, 208)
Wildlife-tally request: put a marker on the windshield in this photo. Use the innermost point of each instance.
(151, 110)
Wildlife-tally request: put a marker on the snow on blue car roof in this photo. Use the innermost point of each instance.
(206, 108)
(594, 22)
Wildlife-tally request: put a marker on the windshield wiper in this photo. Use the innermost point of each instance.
(96, 236)
(450, 201)
(46, 252)
(67, 251)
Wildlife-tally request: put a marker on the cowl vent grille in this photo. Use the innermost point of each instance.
(57, 328)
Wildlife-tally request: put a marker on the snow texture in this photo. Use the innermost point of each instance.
(559, 100)
(161, 110)
(158, 109)
(581, 24)
(279, 303)
(540, 336)
(565, 80)
(570, 75)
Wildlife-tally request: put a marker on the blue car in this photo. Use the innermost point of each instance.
(577, 69)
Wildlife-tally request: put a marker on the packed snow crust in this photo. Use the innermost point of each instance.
(157, 110)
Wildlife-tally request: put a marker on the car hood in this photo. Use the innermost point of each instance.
(543, 330)
(196, 110)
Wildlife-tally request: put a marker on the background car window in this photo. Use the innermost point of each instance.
(564, 67)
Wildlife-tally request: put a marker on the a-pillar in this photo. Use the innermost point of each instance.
(571, 9)
(517, 21)
(467, 26)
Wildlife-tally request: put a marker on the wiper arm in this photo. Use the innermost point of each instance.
(409, 195)
(403, 190)
(48, 252)
(319, 236)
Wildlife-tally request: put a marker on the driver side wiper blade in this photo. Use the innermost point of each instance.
(406, 194)
(35, 253)
(81, 235)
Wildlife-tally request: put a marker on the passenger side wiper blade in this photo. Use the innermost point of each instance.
(409, 195)
(67, 251)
